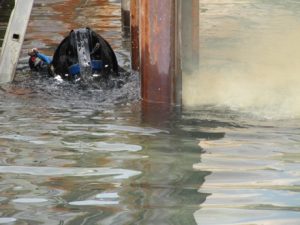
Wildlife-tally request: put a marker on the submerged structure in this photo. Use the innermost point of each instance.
(165, 44)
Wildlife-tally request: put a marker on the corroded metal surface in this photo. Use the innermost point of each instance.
(158, 36)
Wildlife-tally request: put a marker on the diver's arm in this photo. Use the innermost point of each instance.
(43, 57)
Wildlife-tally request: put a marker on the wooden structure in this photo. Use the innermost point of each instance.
(13, 41)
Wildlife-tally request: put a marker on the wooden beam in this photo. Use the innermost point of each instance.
(14, 38)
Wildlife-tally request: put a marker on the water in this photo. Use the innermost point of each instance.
(86, 155)
(249, 57)
(5, 9)
(249, 66)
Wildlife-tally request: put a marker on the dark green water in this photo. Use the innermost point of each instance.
(81, 155)
(6, 7)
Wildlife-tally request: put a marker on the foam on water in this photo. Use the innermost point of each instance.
(29, 200)
(249, 58)
(78, 172)
(94, 203)
(4, 220)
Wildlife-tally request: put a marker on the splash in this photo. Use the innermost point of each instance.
(255, 70)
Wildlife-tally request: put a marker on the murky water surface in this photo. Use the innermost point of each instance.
(6, 7)
(85, 155)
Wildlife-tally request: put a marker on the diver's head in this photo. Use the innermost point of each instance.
(33, 52)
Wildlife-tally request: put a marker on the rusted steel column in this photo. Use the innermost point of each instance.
(190, 35)
(159, 51)
(125, 11)
(134, 28)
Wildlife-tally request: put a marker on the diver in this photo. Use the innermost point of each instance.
(85, 54)
(39, 61)
(82, 55)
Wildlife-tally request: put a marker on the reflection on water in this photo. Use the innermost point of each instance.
(52, 20)
(249, 63)
(79, 155)
(254, 178)
(98, 165)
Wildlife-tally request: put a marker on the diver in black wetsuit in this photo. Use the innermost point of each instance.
(38, 61)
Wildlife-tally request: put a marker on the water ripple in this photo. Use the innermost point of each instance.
(77, 172)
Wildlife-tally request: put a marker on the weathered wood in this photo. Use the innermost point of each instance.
(134, 28)
(14, 38)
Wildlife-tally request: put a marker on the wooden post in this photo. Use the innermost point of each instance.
(14, 38)
(159, 55)
(134, 29)
(125, 18)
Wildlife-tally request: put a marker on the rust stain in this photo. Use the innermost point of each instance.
(157, 30)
